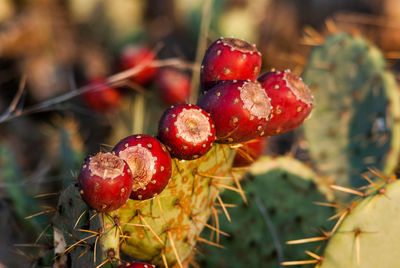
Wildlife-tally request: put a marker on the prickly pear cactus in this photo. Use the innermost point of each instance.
(280, 195)
(359, 104)
(368, 235)
(163, 230)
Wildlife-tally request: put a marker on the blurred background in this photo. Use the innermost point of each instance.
(52, 48)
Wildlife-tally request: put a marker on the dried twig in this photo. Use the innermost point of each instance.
(45, 105)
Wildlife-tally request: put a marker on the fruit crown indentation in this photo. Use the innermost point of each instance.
(193, 126)
(106, 165)
(255, 100)
(142, 164)
(239, 45)
(298, 87)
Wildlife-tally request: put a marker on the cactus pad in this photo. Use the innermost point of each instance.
(282, 189)
(356, 120)
(368, 235)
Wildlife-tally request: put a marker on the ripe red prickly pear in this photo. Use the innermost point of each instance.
(174, 85)
(136, 265)
(187, 131)
(250, 152)
(229, 59)
(240, 110)
(105, 182)
(102, 97)
(149, 162)
(291, 101)
(133, 56)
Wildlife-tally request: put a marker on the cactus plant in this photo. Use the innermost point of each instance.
(361, 102)
(281, 189)
(162, 221)
(148, 227)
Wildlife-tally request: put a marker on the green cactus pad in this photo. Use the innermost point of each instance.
(281, 192)
(186, 204)
(355, 123)
(375, 220)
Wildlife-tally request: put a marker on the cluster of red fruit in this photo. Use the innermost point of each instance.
(173, 85)
(235, 108)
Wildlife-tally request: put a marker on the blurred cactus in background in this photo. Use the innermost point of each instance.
(361, 101)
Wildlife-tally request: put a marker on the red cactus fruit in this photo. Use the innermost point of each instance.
(133, 56)
(187, 131)
(240, 110)
(229, 59)
(174, 86)
(105, 182)
(102, 97)
(250, 152)
(149, 162)
(136, 265)
(291, 101)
